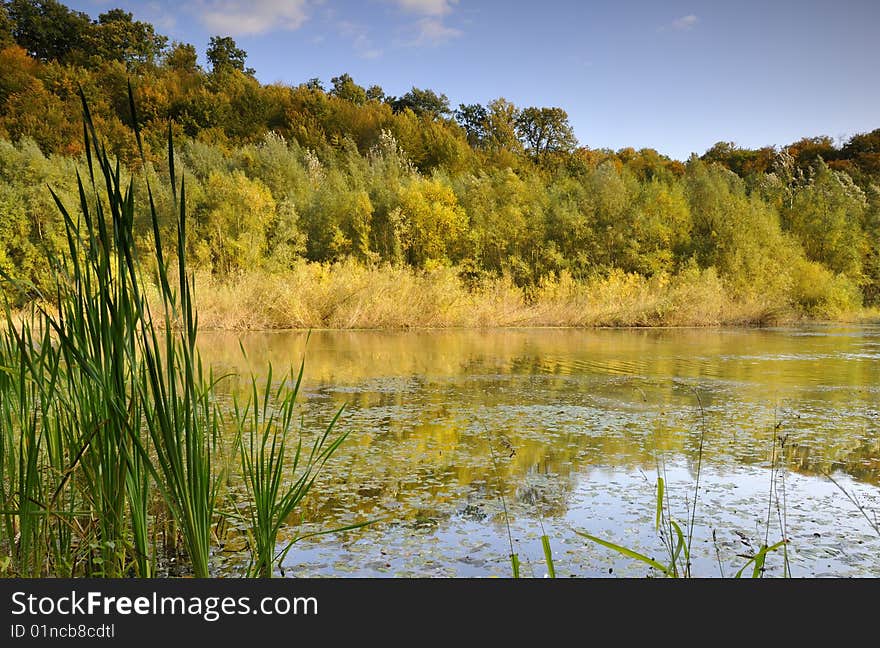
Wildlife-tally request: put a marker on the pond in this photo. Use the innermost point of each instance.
(568, 431)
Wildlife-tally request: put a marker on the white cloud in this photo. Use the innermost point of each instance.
(245, 17)
(432, 31)
(431, 28)
(250, 17)
(685, 23)
(426, 7)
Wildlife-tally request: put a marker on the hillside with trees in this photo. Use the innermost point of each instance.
(334, 180)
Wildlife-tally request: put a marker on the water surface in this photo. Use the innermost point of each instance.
(569, 430)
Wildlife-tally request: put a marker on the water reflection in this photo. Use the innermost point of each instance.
(570, 426)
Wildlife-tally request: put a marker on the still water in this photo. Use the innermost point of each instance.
(568, 430)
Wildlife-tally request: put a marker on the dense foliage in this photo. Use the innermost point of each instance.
(278, 173)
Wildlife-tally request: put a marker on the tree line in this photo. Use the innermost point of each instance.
(279, 173)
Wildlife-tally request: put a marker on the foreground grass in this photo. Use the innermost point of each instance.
(349, 295)
(113, 454)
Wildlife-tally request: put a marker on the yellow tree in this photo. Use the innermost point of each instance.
(233, 221)
(431, 221)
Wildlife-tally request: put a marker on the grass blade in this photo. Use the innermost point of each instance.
(659, 503)
(629, 553)
(548, 556)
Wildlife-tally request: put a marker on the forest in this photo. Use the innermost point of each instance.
(334, 204)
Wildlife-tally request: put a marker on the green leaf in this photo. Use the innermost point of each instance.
(758, 560)
(548, 556)
(679, 547)
(629, 553)
(659, 503)
(514, 563)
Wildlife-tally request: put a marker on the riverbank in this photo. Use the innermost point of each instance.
(349, 295)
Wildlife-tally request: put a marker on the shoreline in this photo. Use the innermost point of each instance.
(222, 321)
(794, 324)
(351, 296)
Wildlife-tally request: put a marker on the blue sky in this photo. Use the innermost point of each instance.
(674, 76)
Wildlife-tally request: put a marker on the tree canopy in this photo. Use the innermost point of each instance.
(225, 56)
(285, 172)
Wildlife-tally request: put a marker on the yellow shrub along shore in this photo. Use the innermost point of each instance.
(349, 295)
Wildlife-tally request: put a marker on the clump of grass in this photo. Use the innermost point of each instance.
(184, 421)
(350, 295)
(98, 316)
(265, 422)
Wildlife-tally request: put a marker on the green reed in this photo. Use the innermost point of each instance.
(109, 424)
(184, 420)
(265, 422)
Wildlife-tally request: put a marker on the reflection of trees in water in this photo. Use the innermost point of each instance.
(441, 465)
(747, 356)
(861, 460)
(546, 493)
(567, 401)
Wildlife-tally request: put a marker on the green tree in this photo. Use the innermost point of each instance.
(388, 168)
(6, 28)
(431, 220)
(345, 88)
(500, 207)
(431, 144)
(195, 112)
(375, 93)
(871, 263)
(422, 102)
(571, 225)
(474, 119)
(660, 228)
(612, 191)
(826, 215)
(28, 223)
(47, 29)
(501, 134)
(244, 110)
(864, 152)
(338, 221)
(182, 57)
(233, 223)
(225, 56)
(738, 234)
(743, 162)
(118, 37)
(545, 130)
